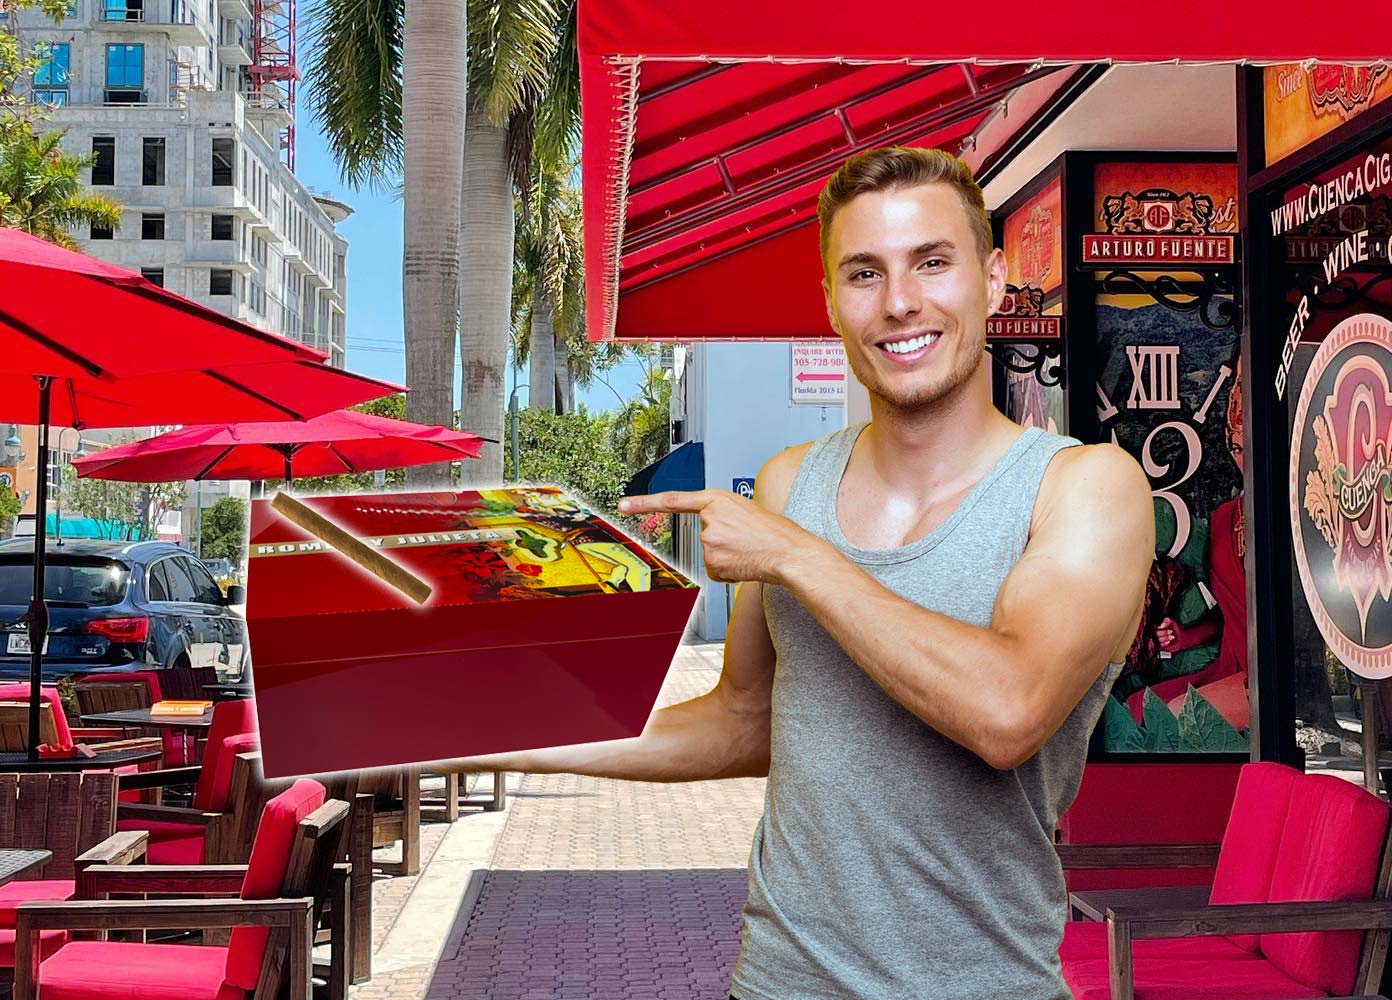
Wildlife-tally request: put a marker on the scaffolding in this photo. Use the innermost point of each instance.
(273, 71)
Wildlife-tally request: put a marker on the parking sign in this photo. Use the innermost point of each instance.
(745, 488)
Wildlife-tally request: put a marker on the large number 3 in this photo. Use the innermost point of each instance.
(1157, 472)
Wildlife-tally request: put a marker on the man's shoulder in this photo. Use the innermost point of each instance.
(776, 478)
(1094, 477)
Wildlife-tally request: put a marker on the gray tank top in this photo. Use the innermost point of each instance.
(890, 862)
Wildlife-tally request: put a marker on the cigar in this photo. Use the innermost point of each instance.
(364, 555)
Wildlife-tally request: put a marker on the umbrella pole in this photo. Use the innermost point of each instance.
(38, 607)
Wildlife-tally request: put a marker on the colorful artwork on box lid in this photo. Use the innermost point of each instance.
(474, 546)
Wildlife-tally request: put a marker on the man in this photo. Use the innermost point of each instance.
(934, 607)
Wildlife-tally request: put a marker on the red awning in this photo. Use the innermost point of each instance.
(710, 128)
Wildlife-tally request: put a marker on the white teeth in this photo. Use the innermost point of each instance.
(909, 346)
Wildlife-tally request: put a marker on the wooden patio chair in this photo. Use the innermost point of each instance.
(202, 832)
(293, 871)
(396, 814)
(14, 725)
(250, 790)
(100, 693)
(454, 783)
(107, 693)
(55, 731)
(1301, 902)
(73, 815)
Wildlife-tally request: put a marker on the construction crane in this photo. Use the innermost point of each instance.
(273, 71)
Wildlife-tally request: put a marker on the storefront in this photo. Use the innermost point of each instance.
(1175, 286)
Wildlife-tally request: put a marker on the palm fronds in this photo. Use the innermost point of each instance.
(354, 75)
(41, 189)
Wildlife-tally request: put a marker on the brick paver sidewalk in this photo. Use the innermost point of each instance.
(596, 888)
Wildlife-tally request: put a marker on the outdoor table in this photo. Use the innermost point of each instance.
(1092, 904)
(15, 862)
(142, 718)
(104, 760)
(225, 690)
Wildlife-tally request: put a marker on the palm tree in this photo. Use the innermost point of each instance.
(41, 188)
(548, 304)
(372, 52)
(523, 107)
(550, 269)
(518, 75)
(642, 429)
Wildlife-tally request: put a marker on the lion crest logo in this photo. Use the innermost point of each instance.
(1158, 210)
(1024, 301)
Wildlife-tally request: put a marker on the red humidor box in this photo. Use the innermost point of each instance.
(547, 626)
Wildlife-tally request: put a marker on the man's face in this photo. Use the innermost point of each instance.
(909, 293)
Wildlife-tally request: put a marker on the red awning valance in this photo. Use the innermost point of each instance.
(710, 128)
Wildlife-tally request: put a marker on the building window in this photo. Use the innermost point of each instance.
(222, 227)
(220, 282)
(224, 156)
(51, 78)
(125, 74)
(123, 10)
(154, 275)
(125, 66)
(101, 232)
(104, 168)
(152, 226)
(152, 162)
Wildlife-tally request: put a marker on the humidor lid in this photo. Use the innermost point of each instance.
(473, 547)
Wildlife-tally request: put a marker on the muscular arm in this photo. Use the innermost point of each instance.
(1066, 607)
(721, 734)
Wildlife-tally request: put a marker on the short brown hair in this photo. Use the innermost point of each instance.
(890, 168)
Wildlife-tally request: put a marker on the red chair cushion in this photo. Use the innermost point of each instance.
(222, 767)
(170, 843)
(49, 942)
(1087, 939)
(14, 893)
(1331, 849)
(122, 970)
(1166, 979)
(230, 718)
(1248, 853)
(266, 871)
(20, 692)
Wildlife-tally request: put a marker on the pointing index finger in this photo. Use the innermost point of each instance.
(667, 502)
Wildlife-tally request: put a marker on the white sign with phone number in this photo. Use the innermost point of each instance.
(817, 373)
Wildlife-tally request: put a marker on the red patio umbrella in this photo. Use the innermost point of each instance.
(345, 441)
(89, 344)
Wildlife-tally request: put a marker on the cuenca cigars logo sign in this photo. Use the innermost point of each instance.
(1158, 226)
(1343, 90)
(1341, 492)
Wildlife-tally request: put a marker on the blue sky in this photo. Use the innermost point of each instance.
(374, 233)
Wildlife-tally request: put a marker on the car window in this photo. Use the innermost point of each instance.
(81, 580)
(159, 584)
(205, 587)
(181, 586)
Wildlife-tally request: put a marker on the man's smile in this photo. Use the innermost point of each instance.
(907, 348)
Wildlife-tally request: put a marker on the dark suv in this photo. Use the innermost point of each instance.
(121, 606)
